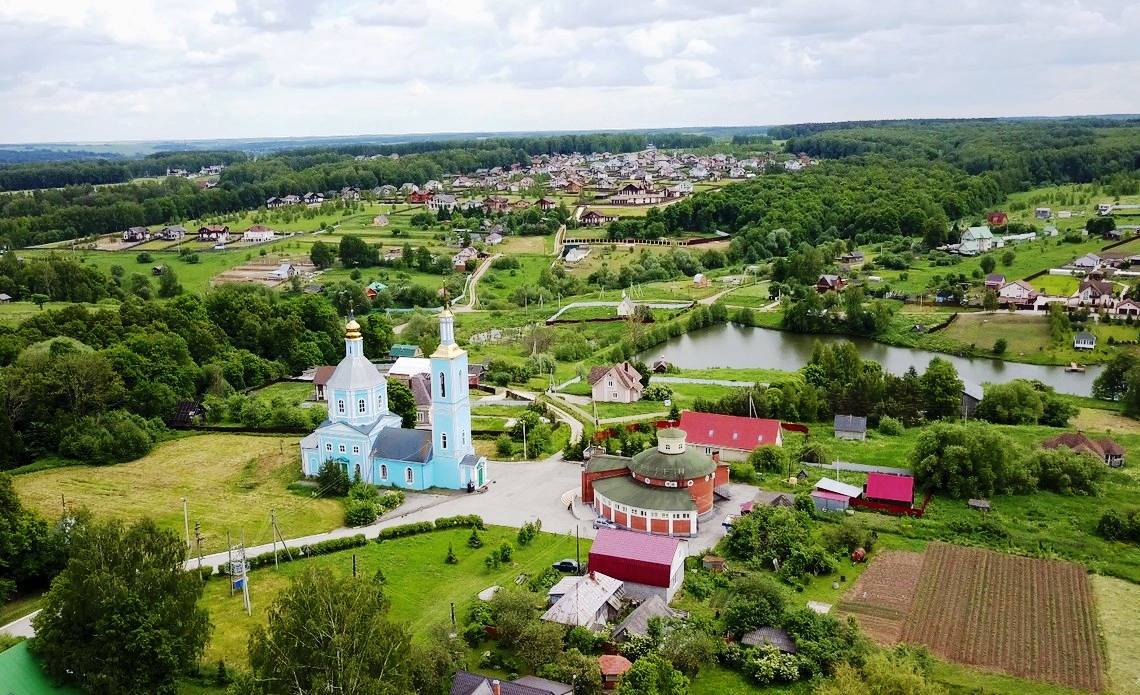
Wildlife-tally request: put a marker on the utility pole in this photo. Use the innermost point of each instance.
(354, 565)
(230, 561)
(245, 577)
(273, 522)
(186, 522)
(198, 540)
(277, 535)
(524, 440)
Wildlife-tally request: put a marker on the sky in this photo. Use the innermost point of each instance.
(76, 71)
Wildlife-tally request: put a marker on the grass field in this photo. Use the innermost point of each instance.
(421, 586)
(15, 312)
(232, 482)
(1118, 606)
(1056, 285)
(293, 392)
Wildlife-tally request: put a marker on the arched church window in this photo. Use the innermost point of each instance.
(356, 475)
(340, 407)
(409, 477)
(384, 471)
(360, 406)
(442, 385)
(443, 440)
(379, 401)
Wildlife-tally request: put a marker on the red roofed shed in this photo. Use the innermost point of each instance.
(887, 487)
(732, 436)
(648, 564)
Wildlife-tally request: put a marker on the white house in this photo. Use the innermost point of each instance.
(258, 233)
(282, 272)
(1018, 292)
(1084, 341)
(620, 383)
(440, 201)
(976, 240)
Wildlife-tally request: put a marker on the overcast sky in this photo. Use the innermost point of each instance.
(149, 69)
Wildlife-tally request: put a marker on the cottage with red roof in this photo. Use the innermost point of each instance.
(729, 437)
(613, 667)
(1104, 449)
(649, 565)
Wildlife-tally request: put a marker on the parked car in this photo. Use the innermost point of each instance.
(728, 521)
(603, 522)
(566, 566)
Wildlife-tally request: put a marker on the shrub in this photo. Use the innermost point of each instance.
(492, 561)
(890, 426)
(333, 545)
(462, 520)
(451, 559)
(1120, 526)
(504, 445)
(999, 346)
(848, 535)
(474, 541)
(505, 552)
(528, 532)
(404, 530)
(333, 479)
(359, 512)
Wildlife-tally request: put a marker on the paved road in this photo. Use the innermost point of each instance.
(21, 627)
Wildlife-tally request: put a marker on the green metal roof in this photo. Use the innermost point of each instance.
(21, 674)
(689, 464)
(606, 462)
(403, 350)
(628, 491)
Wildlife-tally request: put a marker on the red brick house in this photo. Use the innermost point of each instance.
(419, 197)
(829, 283)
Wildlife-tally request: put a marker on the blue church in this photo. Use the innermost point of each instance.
(366, 437)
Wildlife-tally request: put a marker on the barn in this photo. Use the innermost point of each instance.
(649, 565)
(833, 496)
(896, 492)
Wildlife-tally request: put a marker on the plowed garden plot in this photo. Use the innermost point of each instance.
(881, 599)
(1030, 618)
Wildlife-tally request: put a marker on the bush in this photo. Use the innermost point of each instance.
(848, 535)
(333, 545)
(110, 437)
(462, 520)
(505, 552)
(890, 426)
(504, 445)
(451, 559)
(1118, 526)
(492, 561)
(333, 479)
(404, 530)
(528, 532)
(359, 512)
(999, 346)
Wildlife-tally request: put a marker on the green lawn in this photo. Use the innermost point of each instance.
(1056, 285)
(232, 482)
(15, 312)
(194, 277)
(497, 287)
(293, 392)
(421, 586)
(1118, 606)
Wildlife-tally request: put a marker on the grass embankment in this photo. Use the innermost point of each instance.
(421, 586)
(232, 482)
(1118, 606)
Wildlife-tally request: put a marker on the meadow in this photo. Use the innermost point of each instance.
(421, 586)
(232, 482)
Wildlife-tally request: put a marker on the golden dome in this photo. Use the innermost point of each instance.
(352, 329)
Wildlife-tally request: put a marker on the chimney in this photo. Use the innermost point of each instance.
(495, 687)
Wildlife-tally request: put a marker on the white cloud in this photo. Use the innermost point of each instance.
(157, 69)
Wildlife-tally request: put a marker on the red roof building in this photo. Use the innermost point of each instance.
(730, 436)
(613, 666)
(997, 218)
(887, 487)
(648, 564)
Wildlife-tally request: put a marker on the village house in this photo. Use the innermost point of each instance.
(1018, 293)
(217, 233)
(976, 240)
(441, 201)
(997, 218)
(729, 437)
(1042, 213)
(995, 281)
(833, 496)
(829, 283)
(612, 668)
(173, 232)
(972, 395)
(374, 289)
(320, 380)
(1087, 262)
(313, 199)
(1093, 293)
(546, 204)
(593, 218)
(282, 272)
(419, 197)
(1104, 449)
(889, 489)
(774, 636)
(636, 624)
(1128, 307)
(136, 234)
(420, 386)
(852, 257)
(404, 368)
(496, 204)
(592, 602)
(467, 683)
(1084, 340)
(399, 350)
(620, 383)
(258, 233)
(493, 239)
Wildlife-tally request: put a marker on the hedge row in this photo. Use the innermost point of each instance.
(333, 545)
(463, 520)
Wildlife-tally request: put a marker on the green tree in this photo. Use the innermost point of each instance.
(971, 460)
(1007, 258)
(987, 263)
(572, 666)
(329, 633)
(402, 403)
(355, 253)
(653, 675)
(1000, 346)
(332, 477)
(941, 389)
(123, 616)
(513, 609)
(756, 601)
(321, 255)
(990, 300)
(168, 285)
(539, 643)
(903, 671)
(30, 552)
(1012, 403)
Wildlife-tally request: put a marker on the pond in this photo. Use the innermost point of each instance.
(730, 345)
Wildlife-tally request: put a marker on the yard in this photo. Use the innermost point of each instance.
(232, 482)
(292, 392)
(421, 586)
